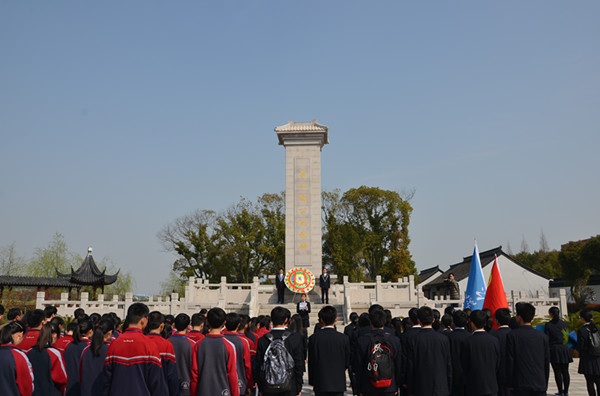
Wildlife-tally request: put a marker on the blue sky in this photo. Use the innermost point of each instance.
(118, 117)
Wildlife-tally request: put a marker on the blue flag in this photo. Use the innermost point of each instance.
(475, 294)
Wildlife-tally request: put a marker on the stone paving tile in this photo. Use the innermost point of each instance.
(577, 387)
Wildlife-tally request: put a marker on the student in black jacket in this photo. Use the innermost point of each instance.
(280, 285)
(457, 339)
(502, 316)
(560, 354)
(589, 365)
(363, 354)
(324, 284)
(429, 364)
(480, 358)
(407, 340)
(280, 318)
(328, 356)
(303, 309)
(527, 356)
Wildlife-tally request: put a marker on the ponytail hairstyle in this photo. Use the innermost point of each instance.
(103, 327)
(588, 316)
(10, 329)
(554, 314)
(84, 326)
(45, 337)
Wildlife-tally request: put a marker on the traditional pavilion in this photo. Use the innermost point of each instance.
(88, 274)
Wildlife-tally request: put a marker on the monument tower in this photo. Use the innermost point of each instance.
(303, 142)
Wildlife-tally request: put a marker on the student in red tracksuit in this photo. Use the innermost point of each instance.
(244, 364)
(16, 375)
(132, 365)
(183, 347)
(35, 321)
(63, 342)
(156, 326)
(213, 362)
(50, 376)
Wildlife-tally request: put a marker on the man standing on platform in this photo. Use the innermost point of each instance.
(280, 285)
(324, 284)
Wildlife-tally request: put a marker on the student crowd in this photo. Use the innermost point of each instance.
(217, 354)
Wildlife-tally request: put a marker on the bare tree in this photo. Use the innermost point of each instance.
(10, 262)
(524, 245)
(543, 242)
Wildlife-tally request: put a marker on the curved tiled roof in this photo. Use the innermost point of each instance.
(312, 126)
(35, 281)
(89, 274)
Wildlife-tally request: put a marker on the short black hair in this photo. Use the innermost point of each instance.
(354, 317)
(50, 310)
(502, 316)
(155, 319)
(203, 311)
(363, 320)
(13, 313)
(328, 315)
(526, 311)
(412, 315)
(377, 318)
(446, 320)
(232, 321)
(198, 320)
(375, 307)
(78, 312)
(216, 318)
(478, 318)
(587, 315)
(460, 318)
(279, 315)
(182, 321)
(425, 315)
(136, 312)
(35, 318)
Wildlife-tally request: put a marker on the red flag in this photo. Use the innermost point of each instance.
(495, 297)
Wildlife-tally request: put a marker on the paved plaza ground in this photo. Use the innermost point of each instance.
(577, 387)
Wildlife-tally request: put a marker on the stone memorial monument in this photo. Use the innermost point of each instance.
(303, 142)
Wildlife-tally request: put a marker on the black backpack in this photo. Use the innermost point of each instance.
(380, 362)
(277, 371)
(593, 344)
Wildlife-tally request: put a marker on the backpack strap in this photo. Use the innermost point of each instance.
(269, 337)
(286, 334)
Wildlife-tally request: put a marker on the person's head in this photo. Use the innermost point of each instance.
(156, 322)
(203, 312)
(451, 276)
(50, 311)
(303, 297)
(72, 328)
(36, 319)
(264, 321)
(405, 324)
(137, 315)
(198, 321)
(525, 313)
(57, 320)
(449, 310)
(446, 320)
(78, 312)
(102, 333)
(586, 315)
(554, 313)
(14, 314)
(375, 307)
(377, 318)
(85, 329)
(412, 315)
(425, 315)
(436, 319)
(363, 320)
(388, 317)
(12, 333)
(216, 318)
(48, 336)
(232, 321)
(460, 318)
(328, 315)
(169, 319)
(280, 316)
(354, 318)
(502, 316)
(467, 311)
(95, 318)
(478, 319)
(324, 271)
(295, 324)
(182, 322)
(280, 271)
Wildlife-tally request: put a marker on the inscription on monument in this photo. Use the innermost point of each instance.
(302, 208)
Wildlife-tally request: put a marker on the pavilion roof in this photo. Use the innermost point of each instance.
(88, 274)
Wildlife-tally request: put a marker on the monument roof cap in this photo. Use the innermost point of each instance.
(299, 132)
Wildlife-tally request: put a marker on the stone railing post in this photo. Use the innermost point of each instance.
(562, 295)
(411, 288)
(39, 300)
(173, 307)
(347, 299)
(222, 293)
(128, 302)
(253, 307)
(378, 289)
(85, 299)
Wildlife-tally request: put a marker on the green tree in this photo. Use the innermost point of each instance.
(54, 257)
(10, 261)
(173, 284)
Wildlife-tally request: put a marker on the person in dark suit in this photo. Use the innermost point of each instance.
(324, 284)
(303, 309)
(502, 316)
(406, 343)
(527, 356)
(280, 285)
(328, 356)
(294, 344)
(363, 353)
(430, 362)
(480, 358)
(457, 339)
(560, 354)
(589, 365)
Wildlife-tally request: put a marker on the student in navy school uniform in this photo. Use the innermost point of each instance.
(49, 374)
(132, 365)
(214, 369)
(92, 359)
(457, 339)
(16, 374)
(503, 318)
(560, 354)
(81, 340)
(156, 334)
